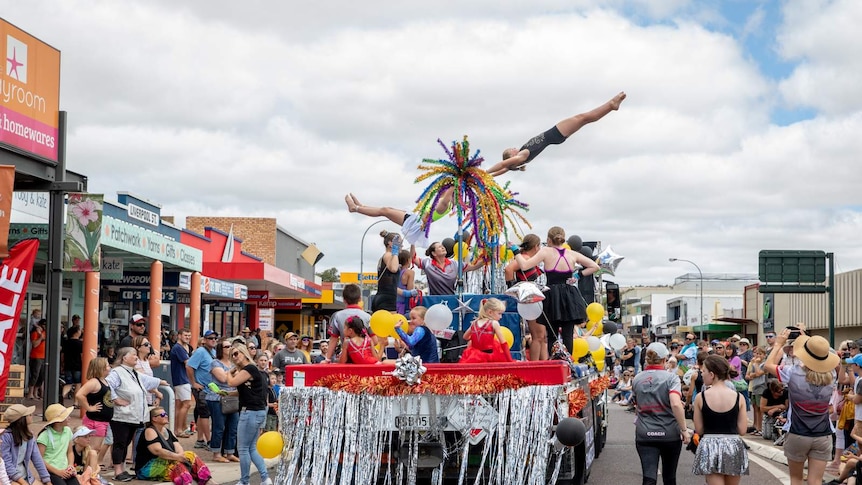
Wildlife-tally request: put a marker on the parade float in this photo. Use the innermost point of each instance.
(410, 422)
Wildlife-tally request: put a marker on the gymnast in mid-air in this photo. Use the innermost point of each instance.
(517, 159)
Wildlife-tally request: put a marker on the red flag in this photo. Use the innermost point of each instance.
(14, 277)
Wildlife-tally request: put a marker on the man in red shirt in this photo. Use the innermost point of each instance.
(37, 359)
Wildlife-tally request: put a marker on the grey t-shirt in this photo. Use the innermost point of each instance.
(287, 357)
(339, 318)
(652, 389)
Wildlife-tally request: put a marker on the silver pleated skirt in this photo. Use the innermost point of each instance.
(724, 454)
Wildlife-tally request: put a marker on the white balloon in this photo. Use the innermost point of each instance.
(617, 341)
(438, 317)
(530, 311)
(594, 343)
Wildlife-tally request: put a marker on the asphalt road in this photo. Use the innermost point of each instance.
(618, 463)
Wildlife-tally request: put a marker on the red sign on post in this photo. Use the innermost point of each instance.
(14, 277)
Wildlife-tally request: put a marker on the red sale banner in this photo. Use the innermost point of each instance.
(14, 277)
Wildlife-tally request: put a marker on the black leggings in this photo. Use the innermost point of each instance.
(541, 141)
(123, 434)
(650, 453)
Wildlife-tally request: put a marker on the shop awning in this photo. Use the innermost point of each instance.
(260, 276)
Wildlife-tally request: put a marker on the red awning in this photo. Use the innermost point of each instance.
(260, 276)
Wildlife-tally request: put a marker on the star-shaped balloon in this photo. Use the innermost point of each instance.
(608, 261)
(409, 369)
(526, 292)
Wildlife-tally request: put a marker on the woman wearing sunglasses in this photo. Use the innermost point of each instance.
(161, 457)
(224, 426)
(146, 360)
(251, 385)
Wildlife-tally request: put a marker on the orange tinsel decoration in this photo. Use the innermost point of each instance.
(577, 400)
(433, 384)
(598, 386)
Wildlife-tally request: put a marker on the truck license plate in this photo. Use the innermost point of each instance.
(418, 421)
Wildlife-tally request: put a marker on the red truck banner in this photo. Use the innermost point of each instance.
(14, 277)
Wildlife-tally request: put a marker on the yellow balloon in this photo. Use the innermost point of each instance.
(382, 323)
(595, 312)
(270, 444)
(599, 354)
(600, 365)
(508, 336)
(462, 249)
(566, 245)
(599, 329)
(399, 321)
(580, 348)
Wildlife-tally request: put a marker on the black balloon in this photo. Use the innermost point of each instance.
(449, 244)
(609, 327)
(586, 251)
(575, 243)
(571, 431)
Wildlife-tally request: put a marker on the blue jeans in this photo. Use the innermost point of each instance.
(223, 429)
(248, 430)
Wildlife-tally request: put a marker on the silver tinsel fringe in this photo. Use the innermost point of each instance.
(334, 437)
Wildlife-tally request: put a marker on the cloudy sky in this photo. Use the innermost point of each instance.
(741, 130)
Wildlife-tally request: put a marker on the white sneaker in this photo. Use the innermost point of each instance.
(268, 481)
(241, 483)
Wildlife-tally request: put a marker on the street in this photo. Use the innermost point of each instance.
(619, 464)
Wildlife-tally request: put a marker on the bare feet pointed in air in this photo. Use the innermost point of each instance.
(617, 100)
(351, 204)
(355, 200)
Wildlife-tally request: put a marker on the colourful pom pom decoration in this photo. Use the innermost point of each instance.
(479, 201)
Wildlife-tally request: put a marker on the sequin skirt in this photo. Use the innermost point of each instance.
(724, 454)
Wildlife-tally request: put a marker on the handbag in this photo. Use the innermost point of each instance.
(740, 385)
(229, 404)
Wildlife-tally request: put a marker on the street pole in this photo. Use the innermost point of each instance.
(672, 260)
(362, 256)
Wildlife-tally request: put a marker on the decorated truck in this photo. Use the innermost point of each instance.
(407, 423)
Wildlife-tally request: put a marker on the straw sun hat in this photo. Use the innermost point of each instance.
(57, 413)
(814, 352)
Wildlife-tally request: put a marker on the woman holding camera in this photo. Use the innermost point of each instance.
(810, 385)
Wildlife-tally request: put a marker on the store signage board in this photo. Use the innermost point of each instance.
(138, 240)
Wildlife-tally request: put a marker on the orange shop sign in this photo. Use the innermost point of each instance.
(29, 93)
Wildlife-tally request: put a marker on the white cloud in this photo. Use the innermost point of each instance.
(278, 110)
(822, 35)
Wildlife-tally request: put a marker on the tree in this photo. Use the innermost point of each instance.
(329, 276)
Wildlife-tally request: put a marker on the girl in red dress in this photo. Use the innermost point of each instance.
(358, 345)
(487, 343)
